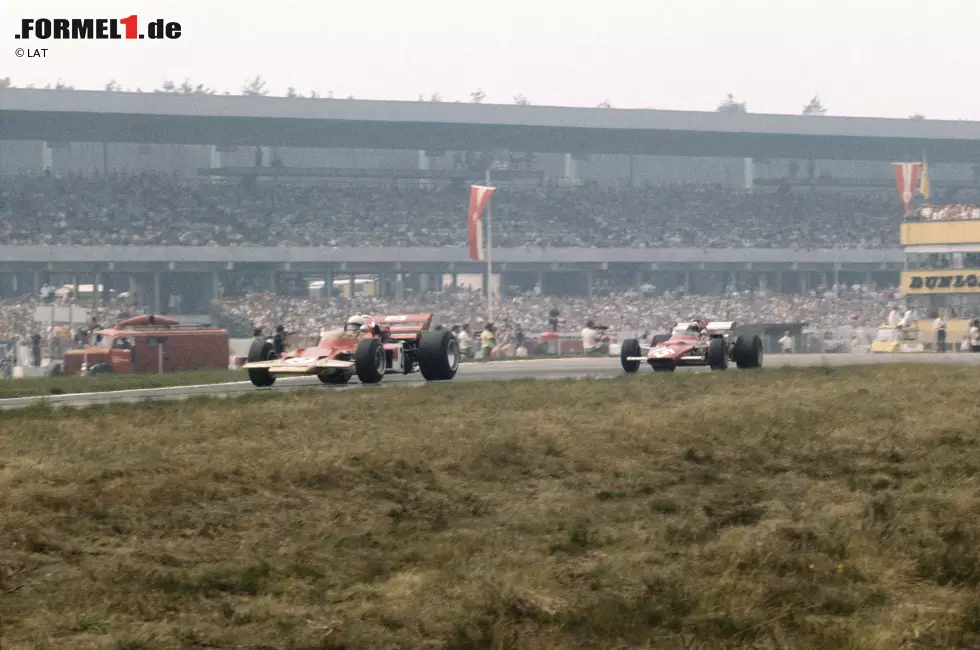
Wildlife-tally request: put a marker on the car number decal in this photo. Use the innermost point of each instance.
(300, 361)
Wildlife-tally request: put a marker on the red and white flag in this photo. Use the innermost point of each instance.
(479, 196)
(906, 175)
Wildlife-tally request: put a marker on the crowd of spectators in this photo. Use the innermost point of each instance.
(953, 212)
(163, 210)
(620, 311)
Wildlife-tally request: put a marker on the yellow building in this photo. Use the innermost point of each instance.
(942, 276)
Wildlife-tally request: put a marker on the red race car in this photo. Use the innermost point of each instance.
(368, 346)
(696, 343)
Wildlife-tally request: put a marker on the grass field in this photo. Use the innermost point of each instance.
(104, 383)
(101, 383)
(810, 508)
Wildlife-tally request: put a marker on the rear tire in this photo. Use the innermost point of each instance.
(438, 355)
(717, 354)
(334, 377)
(748, 352)
(630, 348)
(101, 369)
(261, 350)
(369, 361)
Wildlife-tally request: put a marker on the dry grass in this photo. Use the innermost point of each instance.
(822, 508)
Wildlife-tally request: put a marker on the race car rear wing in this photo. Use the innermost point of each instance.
(405, 325)
(719, 327)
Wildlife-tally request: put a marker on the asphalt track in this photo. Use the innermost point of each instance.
(579, 368)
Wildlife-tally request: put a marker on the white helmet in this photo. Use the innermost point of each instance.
(354, 324)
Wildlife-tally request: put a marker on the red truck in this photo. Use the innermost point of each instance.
(148, 344)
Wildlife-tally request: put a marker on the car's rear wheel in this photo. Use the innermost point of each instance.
(261, 350)
(334, 377)
(369, 361)
(630, 348)
(438, 355)
(717, 354)
(748, 352)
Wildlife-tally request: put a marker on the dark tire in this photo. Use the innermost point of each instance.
(334, 377)
(54, 370)
(717, 354)
(630, 348)
(101, 369)
(748, 352)
(369, 361)
(438, 355)
(261, 350)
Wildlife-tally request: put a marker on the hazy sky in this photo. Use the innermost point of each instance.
(864, 57)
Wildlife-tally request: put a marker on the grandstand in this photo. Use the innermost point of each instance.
(172, 201)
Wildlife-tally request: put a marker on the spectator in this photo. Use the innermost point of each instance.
(488, 340)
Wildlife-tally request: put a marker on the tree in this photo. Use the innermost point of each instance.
(6, 83)
(60, 85)
(435, 97)
(814, 107)
(917, 116)
(314, 94)
(167, 87)
(188, 88)
(521, 100)
(604, 104)
(112, 86)
(255, 87)
(477, 96)
(291, 93)
(732, 106)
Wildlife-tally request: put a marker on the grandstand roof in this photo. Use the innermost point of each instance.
(97, 116)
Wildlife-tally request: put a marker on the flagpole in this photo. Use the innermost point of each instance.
(489, 248)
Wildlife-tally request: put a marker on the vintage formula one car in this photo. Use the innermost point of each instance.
(695, 343)
(378, 345)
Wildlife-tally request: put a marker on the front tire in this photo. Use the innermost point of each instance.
(717, 354)
(630, 348)
(438, 355)
(369, 361)
(261, 350)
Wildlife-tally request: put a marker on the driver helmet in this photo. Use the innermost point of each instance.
(354, 324)
(694, 327)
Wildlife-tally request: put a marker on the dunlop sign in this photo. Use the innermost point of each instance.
(960, 281)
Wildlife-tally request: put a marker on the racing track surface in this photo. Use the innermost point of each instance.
(604, 367)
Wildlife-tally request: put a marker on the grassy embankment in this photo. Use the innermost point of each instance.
(818, 508)
(104, 383)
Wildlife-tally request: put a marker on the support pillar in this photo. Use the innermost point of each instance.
(274, 282)
(215, 285)
(37, 281)
(455, 280)
(749, 166)
(400, 287)
(687, 281)
(588, 283)
(763, 281)
(637, 276)
(803, 284)
(74, 286)
(541, 281)
(327, 293)
(867, 278)
(779, 281)
(571, 173)
(352, 285)
(156, 292)
(96, 291)
(382, 288)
